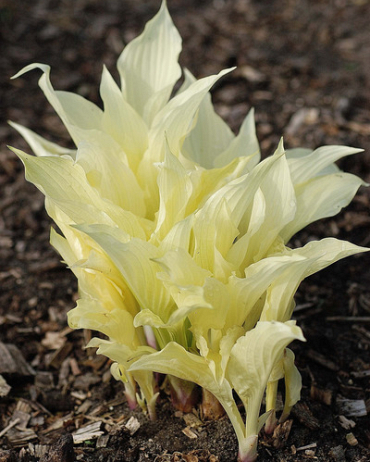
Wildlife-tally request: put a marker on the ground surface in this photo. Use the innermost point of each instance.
(309, 58)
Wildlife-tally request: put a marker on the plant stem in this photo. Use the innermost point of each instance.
(184, 394)
(248, 449)
(211, 408)
(271, 394)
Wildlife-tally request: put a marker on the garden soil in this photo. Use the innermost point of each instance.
(305, 68)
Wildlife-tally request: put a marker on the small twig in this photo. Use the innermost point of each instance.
(308, 446)
(303, 306)
(349, 318)
(11, 425)
(35, 405)
(322, 360)
(106, 420)
(362, 331)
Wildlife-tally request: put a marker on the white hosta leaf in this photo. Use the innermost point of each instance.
(216, 138)
(148, 65)
(74, 246)
(274, 207)
(135, 261)
(175, 119)
(74, 110)
(175, 189)
(226, 344)
(214, 233)
(120, 352)
(170, 127)
(100, 279)
(121, 121)
(107, 171)
(216, 296)
(316, 255)
(205, 182)
(277, 371)
(298, 154)
(59, 178)
(179, 236)
(293, 383)
(64, 183)
(279, 299)
(239, 193)
(173, 359)
(97, 277)
(193, 289)
(66, 248)
(241, 253)
(245, 144)
(100, 286)
(280, 209)
(40, 146)
(253, 357)
(326, 252)
(215, 229)
(123, 355)
(306, 164)
(181, 269)
(116, 324)
(246, 292)
(176, 319)
(210, 135)
(321, 197)
(260, 215)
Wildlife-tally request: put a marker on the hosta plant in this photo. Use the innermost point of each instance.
(178, 233)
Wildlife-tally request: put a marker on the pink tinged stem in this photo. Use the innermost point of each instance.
(150, 337)
(271, 395)
(271, 423)
(184, 394)
(130, 391)
(131, 400)
(248, 449)
(151, 405)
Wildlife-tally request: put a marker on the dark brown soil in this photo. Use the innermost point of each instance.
(309, 58)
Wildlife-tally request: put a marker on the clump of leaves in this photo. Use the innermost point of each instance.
(177, 233)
